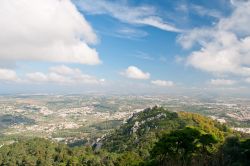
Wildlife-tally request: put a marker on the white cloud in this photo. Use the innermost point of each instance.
(204, 11)
(61, 79)
(142, 15)
(247, 80)
(225, 47)
(8, 75)
(221, 82)
(62, 75)
(144, 56)
(64, 70)
(163, 83)
(37, 77)
(188, 8)
(179, 59)
(135, 73)
(130, 33)
(45, 30)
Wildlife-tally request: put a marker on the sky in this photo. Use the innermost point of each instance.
(125, 46)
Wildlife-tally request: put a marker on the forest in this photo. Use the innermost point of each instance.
(153, 137)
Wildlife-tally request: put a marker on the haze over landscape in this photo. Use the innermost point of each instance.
(124, 83)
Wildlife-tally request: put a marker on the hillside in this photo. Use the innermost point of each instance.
(154, 136)
(143, 129)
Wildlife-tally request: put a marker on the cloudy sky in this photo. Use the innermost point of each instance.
(79, 46)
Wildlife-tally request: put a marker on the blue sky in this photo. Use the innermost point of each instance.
(124, 46)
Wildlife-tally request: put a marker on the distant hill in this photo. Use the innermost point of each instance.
(154, 136)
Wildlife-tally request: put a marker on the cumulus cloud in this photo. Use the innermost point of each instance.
(135, 73)
(162, 83)
(37, 77)
(141, 15)
(65, 70)
(45, 30)
(8, 75)
(221, 82)
(225, 47)
(63, 75)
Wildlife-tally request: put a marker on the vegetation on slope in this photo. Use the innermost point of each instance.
(154, 136)
(144, 129)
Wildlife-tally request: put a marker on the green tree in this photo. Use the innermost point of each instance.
(236, 152)
(183, 147)
(128, 159)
